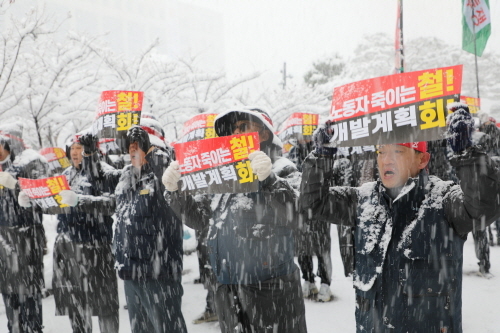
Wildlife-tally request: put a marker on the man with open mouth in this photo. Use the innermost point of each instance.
(410, 227)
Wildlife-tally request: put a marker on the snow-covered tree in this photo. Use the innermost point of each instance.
(46, 82)
(324, 70)
(16, 41)
(374, 57)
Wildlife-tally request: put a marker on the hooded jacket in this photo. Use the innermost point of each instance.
(250, 238)
(408, 251)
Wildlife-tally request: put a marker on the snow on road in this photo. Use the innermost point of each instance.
(480, 298)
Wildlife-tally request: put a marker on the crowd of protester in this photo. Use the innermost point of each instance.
(403, 212)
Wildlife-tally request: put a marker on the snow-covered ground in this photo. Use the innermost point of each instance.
(480, 297)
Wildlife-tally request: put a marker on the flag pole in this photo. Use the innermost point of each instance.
(401, 36)
(475, 49)
(399, 61)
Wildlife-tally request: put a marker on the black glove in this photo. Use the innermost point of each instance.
(89, 143)
(137, 134)
(460, 129)
(321, 139)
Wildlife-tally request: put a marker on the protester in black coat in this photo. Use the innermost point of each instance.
(250, 238)
(410, 230)
(84, 280)
(313, 239)
(147, 240)
(22, 237)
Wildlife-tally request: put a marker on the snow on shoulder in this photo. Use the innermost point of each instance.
(27, 156)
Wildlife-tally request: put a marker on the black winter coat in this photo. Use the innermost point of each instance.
(251, 234)
(84, 276)
(408, 258)
(90, 221)
(22, 237)
(147, 238)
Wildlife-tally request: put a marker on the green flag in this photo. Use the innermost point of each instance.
(476, 24)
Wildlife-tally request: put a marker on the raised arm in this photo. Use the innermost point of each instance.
(475, 203)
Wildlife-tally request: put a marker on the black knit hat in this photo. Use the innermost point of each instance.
(139, 135)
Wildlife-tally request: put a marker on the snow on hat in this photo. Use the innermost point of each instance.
(452, 107)
(11, 137)
(418, 146)
(223, 123)
(155, 131)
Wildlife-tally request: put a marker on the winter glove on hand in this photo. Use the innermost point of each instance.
(460, 129)
(321, 139)
(7, 180)
(24, 200)
(261, 164)
(139, 135)
(89, 143)
(171, 177)
(69, 198)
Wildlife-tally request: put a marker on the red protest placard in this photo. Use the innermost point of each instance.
(56, 158)
(473, 103)
(116, 112)
(45, 192)
(218, 165)
(300, 126)
(199, 127)
(396, 108)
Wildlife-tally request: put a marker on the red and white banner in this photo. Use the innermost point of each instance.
(45, 192)
(473, 103)
(116, 112)
(199, 127)
(56, 158)
(218, 165)
(300, 126)
(397, 108)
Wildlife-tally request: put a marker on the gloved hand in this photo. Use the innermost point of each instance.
(89, 143)
(460, 127)
(261, 164)
(24, 200)
(69, 197)
(7, 180)
(139, 135)
(171, 177)
(321, 139)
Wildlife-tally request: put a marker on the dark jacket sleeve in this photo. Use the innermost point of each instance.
(475, 204)
(320, 202)
(103, 204)
(280, 195)
(104, 179)
(194, 211)
(100, 174)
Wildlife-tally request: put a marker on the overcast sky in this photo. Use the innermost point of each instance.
(263, 34)
(260, 35)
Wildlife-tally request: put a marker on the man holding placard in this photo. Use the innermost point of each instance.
(409, 228)
(22, 237)
(251, 234)
(84, 280)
